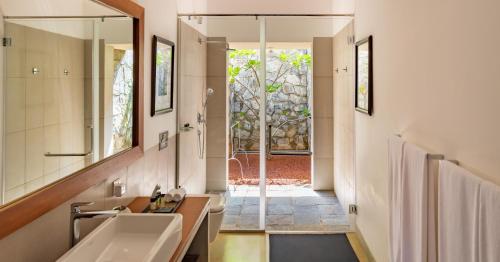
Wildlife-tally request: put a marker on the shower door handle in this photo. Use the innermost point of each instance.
(48, 154)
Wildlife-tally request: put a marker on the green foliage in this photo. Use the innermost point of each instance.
(242, 53)
(233, 72)
(300, 58)
(247, 54)
(159, 58)
(162, 57)
(252, 64)
(307, 59)
(284, 57)
(273, 87)
(285, 112)
(306, 112)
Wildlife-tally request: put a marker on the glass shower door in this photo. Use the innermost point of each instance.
(299, 87)
(244, 75)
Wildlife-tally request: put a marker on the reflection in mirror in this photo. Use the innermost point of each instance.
(68, 88)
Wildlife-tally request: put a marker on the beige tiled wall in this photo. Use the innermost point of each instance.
(47, 238)
(44, 112)
(217, 116)
(322, 176)
(343, 54)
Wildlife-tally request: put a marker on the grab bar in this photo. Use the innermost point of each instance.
(48, 154)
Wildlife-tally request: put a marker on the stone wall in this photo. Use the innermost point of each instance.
(288, 90)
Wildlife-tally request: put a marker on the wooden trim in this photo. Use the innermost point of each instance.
(19, 213)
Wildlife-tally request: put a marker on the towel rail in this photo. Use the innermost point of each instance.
(437, 156)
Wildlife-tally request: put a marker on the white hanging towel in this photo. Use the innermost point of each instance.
(489, 222)
(433, 176)
(396, 145)
(458, 195)
(414, 204)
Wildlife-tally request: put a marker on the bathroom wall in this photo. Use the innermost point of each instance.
(193, 85)
(44, 111)
(161, 20)
(47, 238)
(322, 159)
(435, 64)
(217, 114)
(279, 29)
(343, 117)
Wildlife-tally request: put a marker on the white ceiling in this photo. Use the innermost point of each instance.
(266, 6)
(54, 8)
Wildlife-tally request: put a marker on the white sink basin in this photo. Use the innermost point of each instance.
(130, 237)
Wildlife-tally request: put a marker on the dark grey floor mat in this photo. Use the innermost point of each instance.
(310, 248)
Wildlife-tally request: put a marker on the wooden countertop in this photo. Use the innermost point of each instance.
(193, 210)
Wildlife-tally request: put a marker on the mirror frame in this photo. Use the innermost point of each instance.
(16, 214)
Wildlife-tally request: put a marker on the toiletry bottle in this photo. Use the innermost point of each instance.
(154, 197)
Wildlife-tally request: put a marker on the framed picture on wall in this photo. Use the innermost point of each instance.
(364, 76)
(162, 76)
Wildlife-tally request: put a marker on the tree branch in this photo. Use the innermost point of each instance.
(256, 75)
(244, 101)
(254, 96)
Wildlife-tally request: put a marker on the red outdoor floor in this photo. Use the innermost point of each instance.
(281, 170)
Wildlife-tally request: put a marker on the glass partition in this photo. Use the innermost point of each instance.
(232, 98)
(300, 82)
(269, 118)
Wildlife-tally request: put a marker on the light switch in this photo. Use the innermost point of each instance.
(119, 188)
(163, 140)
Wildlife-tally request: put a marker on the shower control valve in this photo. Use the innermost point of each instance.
(201, 118)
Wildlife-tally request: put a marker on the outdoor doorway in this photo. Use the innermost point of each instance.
(288, 114)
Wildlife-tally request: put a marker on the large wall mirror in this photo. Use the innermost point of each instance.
(68, 94)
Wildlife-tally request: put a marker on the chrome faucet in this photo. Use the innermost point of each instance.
(156, 192)
(77, 214)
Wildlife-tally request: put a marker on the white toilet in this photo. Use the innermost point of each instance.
(216, 214)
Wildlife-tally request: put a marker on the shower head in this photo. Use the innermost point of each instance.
(210, 92)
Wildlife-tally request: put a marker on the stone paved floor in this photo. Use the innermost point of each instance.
(289, 208)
